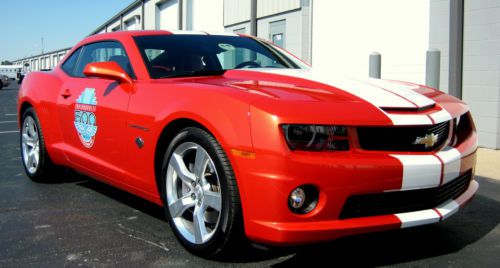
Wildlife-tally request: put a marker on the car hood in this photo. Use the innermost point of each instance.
(305, 95)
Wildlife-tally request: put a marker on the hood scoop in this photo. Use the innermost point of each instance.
(408, 109)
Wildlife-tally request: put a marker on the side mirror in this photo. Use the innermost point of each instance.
(107, 69)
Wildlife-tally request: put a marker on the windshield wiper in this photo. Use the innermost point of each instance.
(193, 73)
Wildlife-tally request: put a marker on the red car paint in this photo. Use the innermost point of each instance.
(243, 110)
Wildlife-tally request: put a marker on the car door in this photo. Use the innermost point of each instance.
(93, 111)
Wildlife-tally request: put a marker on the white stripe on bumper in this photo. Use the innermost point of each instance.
(447, 209)
(409, 119)
(451, 162)
(416, 218)
(419, 171)
(440, 213)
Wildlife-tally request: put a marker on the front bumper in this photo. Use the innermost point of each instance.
(291, 233)
(268, 180)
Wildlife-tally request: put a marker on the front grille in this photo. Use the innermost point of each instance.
(404, 201)
(401, 138)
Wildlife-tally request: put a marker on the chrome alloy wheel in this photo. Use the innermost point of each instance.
(30, 145)
(193, 193)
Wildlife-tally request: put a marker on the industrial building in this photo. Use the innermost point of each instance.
(337, 36)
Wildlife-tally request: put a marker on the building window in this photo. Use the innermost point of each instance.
(277, 32)
(278, 39)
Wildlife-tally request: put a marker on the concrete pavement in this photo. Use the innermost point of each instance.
(488, 163)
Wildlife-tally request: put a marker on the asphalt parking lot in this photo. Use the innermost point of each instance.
(77, 221)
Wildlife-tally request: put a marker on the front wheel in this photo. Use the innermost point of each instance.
(200, 194)
(35, 158)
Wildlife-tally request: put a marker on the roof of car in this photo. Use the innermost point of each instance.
(124, 34)
(159, 32)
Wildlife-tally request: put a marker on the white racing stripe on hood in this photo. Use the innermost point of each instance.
(380, 93)
(373, 94)
(405, 91)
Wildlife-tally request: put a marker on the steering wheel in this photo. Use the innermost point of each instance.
(249, 63)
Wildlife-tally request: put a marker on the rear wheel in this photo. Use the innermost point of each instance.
(1, 85)
(200, 194)
(36, 161)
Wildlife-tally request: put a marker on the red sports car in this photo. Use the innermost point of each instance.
(237, 138)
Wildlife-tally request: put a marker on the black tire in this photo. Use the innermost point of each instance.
(44, 170)
(229, 234)
(1, 85)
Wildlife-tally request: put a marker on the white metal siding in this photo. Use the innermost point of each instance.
(346, 32)
(242, 28)
(236, 11)
(205, 15)
(150, 14)
(270, 7)
(132, 20)
(167, 15)
(114, 26)
(133, 23)
(481, 68)
(439, 36)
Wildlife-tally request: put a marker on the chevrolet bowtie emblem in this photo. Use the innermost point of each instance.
(428, 140)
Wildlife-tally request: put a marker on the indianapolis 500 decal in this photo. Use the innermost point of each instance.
(85, 119)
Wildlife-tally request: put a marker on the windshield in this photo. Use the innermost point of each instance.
(197, 55)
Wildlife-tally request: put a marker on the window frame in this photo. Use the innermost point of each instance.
(82, 49)
(79, 51)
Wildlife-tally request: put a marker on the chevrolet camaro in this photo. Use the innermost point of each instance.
(239, 140)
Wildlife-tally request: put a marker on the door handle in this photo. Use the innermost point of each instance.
(66, 94)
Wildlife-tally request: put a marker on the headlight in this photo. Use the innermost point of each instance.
(316, 137)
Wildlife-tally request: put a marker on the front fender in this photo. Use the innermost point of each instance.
(155, 105)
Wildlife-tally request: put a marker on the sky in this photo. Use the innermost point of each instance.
(61, 23)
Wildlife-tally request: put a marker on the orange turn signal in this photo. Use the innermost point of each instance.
(245, 154)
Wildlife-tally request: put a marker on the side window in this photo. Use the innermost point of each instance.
(69, 65)
(104, 51)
